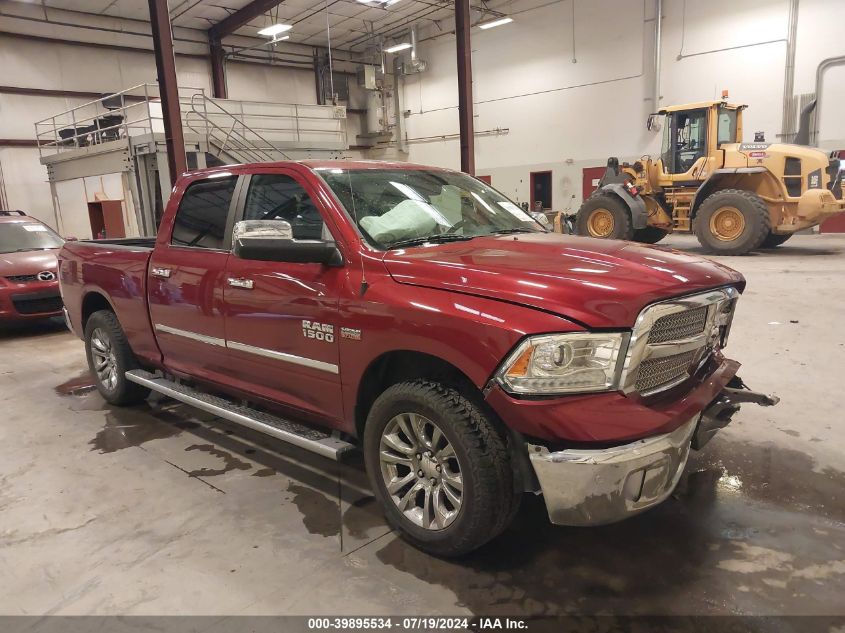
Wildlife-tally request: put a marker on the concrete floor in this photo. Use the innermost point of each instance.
(151, 510)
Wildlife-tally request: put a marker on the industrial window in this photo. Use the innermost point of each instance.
(280, 197)
(201, 218)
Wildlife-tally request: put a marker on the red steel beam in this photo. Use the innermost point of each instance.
(467, 133)
(225, 27)
(242, 16)
(168, 88)
(218, 67)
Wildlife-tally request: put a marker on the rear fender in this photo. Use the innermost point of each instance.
(756, 179)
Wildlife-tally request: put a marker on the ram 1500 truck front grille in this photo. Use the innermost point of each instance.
(671, 339)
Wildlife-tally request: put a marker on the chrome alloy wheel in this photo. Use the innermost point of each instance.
(421, 471)
(105, 363)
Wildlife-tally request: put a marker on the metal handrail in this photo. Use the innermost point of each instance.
(242, 143)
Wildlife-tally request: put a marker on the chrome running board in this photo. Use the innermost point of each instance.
(299, 435)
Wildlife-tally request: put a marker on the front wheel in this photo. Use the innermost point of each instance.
(649, 235)
(773, 240)
(605, 216)
(439, 468)
(109, 358)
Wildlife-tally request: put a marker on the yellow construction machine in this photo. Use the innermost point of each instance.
(735, 196)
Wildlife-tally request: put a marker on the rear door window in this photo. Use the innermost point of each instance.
(203, 213)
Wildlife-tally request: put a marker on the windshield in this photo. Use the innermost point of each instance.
(408, 207)
(27, 236)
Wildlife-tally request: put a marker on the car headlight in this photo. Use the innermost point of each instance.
(563, 363)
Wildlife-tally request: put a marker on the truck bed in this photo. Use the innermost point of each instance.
(110, 273)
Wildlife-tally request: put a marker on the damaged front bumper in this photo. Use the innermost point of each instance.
(595, 487)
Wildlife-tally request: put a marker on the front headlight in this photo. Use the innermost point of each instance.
(563, 363)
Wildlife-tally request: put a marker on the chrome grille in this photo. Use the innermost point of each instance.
(678, 326)
(671, 338)
(19, 279)
(664, 372)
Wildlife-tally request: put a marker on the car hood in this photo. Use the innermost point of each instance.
(598, 283)
(28, 262)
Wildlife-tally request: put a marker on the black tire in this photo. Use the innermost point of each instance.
(755, 214)
(649, 235)
(622, 229)
(489, 495)
(121, 359)
(773, 240)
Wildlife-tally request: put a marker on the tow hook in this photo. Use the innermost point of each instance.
(719, 413)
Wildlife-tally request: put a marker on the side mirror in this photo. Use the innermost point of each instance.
(272, 241)
(653, 122)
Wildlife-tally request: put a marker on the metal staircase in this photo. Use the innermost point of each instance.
(257, 131)
(228, 137)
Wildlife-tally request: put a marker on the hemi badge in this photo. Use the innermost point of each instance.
(351, 333)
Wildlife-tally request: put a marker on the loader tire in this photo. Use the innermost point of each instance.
(649, 235)
(604, 216)
(732, 222)
(773, 240)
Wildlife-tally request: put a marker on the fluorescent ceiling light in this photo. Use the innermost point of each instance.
(496, 22)
(274, 30)
(398, 47)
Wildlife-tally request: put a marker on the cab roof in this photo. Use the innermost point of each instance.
(313, 165)
(699, 106)
(16, 216)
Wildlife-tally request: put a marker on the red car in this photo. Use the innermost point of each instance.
(29, 285)
(421, 315)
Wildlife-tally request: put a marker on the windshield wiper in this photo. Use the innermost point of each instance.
(431, 239)
(34, 248)
(515, 230)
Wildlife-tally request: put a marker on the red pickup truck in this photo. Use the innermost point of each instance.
(420, 314)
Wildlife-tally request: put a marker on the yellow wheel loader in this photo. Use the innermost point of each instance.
(735, 196)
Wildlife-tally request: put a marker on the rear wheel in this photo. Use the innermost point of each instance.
(773, 240)
(109, 358)
(649, 235)
(439, 468)
(604, 216)
(732, 222)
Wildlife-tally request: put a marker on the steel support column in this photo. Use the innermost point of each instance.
(218, 69)
(168, 88)
(462, 26)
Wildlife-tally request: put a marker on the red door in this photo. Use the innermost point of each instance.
(185, 282)
(591, 179)
(282, 318)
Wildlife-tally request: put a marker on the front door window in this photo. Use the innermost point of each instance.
(685, 140)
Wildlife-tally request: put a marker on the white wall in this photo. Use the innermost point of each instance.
(565, 116)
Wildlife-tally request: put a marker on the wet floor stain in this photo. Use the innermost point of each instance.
(78, 385)
(230, 462)
(320, 515)
(133, 426)
(264, 472)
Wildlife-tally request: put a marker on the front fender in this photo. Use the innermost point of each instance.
(636, 205)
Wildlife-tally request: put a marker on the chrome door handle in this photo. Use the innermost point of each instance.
(240, 283)
(164, 273)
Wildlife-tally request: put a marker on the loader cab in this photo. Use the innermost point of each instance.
(692, 137)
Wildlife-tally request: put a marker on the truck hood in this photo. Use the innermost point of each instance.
(28, 262)
(597, 283)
